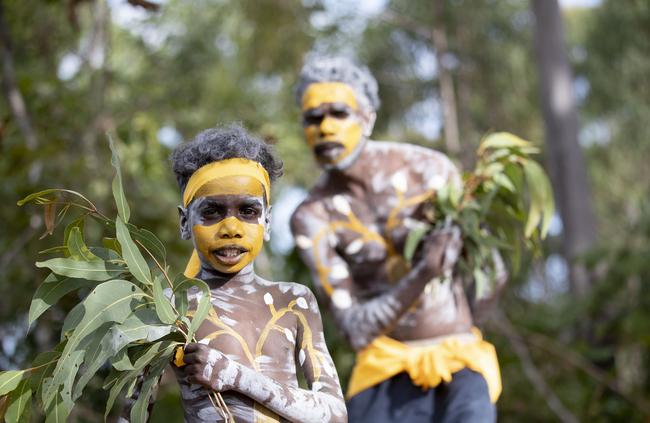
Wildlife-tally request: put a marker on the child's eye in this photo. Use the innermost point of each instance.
(249, 211)
(210, 211)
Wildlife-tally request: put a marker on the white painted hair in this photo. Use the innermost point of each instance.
(339, 69)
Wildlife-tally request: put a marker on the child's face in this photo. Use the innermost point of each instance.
(228, 222)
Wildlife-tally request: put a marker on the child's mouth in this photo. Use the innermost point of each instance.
(230, 254)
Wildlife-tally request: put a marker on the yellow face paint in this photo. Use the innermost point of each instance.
(328, 92)
(231, 241)
(346, 131)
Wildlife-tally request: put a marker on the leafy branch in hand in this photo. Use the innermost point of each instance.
(505, 204)
(127, 320)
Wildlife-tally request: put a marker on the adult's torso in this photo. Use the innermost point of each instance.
(386, 192)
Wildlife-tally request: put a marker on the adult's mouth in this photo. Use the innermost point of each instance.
(230, 254)
(329, 150)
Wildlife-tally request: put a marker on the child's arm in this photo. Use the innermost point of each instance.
(322, 402)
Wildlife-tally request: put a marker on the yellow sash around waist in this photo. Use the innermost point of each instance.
(426, 365)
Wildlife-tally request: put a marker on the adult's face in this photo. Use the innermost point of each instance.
(333, 123)
(228, 225)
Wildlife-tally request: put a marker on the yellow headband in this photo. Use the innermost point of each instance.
(223, 168)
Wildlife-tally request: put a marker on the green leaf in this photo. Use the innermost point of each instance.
(112, 301)
(58, 411)
(43, 365)
(123, 210)
(202, 308)
(19, 398)
(482, 282)
(107, 254)
(164, 307)
(535, 179)
(9, 380)
(139, 409)
(122, 362)
(502, 140)
(132, 255)
(503, 181)
(40, 197)
(112, 244)
(64, 378)
(150, 242)
(143, 325)
(413, 239)
(119, 380)
(91, 270)
(77, 247)
(180, 295)
(51, 291)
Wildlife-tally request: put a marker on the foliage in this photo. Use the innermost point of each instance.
(193, 64)
(126, 320)
(505, 203)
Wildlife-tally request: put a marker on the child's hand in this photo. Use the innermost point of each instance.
(208, 367)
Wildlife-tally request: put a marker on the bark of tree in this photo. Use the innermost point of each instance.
(445, 80)
(566, 161)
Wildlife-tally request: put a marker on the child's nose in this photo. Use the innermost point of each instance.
(231, 227)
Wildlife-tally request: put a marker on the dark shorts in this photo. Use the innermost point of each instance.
(464, 399)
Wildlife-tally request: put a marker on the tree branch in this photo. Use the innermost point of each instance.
(530, 369)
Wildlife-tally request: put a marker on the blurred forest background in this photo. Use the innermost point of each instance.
(571, 329)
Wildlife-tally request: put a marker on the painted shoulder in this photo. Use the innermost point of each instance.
(407, 151)
(311, 212)
(304, 297)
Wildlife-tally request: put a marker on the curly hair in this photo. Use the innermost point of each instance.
(221, 143)
(339, 69)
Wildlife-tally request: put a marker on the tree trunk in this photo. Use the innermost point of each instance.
(566, 162)
(445, 80)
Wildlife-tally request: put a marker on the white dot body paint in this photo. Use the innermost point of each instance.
(341, 299)
(354, 247)
(303, 242)
(301, 357)
(436, 182)
(289, 335)
(268, 298)
(341, 205)
(398, 181)
(213, 355)
(339, 271)
(302, 303)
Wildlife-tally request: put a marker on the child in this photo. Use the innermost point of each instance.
(258, 333)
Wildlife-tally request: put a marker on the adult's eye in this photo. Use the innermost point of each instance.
(340, 113)
(312, 117)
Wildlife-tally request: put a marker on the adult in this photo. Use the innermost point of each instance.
(419, 357)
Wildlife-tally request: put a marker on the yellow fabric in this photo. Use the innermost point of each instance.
(229, 167)
(215, 170)
(427, 366)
